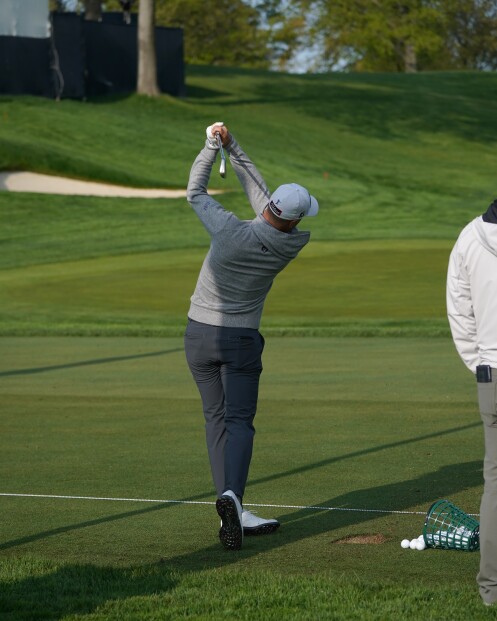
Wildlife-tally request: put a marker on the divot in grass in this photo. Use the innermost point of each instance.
(373, 539)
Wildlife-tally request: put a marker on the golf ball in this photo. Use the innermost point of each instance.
(405, 543)
(420, 545)
(413, 544)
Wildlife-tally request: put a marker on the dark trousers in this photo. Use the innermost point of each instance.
(226, 366)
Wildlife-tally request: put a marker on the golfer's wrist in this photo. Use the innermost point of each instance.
(211, 144)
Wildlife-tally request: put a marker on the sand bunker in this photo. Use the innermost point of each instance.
(48, 184)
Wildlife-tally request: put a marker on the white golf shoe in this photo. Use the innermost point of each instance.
(230, 511)
(254, 525)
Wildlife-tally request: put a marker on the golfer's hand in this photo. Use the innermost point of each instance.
(222, 130)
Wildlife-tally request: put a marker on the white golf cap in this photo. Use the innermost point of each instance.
(292, 202)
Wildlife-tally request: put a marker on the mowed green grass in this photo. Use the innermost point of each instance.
(380, 140)
(401, 161)
(361, 288)
(386, 155)
(127, 267)
(386, 424)
(399, 165)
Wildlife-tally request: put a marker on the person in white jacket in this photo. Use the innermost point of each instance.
(472, 312)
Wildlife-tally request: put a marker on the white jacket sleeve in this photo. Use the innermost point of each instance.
(460, 311)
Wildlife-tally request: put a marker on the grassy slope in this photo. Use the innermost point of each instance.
(389, 157)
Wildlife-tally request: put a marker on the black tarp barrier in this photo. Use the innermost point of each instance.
(25, 66)
(84, 58)
(111, 58)
(68, 56)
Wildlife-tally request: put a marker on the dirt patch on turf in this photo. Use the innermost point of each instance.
(363, 539)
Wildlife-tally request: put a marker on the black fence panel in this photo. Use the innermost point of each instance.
(68, 56)
(25, 66)
(170, 64)
(117, 17)
(111, 58)
(85, 58)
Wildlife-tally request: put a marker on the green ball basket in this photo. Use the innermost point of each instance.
(448, 527)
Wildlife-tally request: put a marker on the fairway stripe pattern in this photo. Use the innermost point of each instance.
(205, 502)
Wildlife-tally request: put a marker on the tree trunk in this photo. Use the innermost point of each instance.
(93, 10)
(147, 64)
(410, 59)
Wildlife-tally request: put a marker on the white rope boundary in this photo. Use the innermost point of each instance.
(205, 502)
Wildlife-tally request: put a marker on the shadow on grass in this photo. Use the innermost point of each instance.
(80, 525)
(87, 363)
(391, 501)
(385, 106)
(362, 452)
(272, 477)
(53, 591)
(308, 523)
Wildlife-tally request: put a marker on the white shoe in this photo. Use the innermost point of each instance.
(230, 511)
(254, 525)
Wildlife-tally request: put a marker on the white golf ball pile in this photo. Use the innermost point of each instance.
(414, 544)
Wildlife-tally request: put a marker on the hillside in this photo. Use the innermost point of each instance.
(405, 153)
(390, 158)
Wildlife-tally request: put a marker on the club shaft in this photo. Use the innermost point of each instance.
(222, 167)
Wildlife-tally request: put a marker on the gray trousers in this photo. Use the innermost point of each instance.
(487, 576)
(226, 366)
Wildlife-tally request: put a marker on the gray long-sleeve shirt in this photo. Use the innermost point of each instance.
(244, 255)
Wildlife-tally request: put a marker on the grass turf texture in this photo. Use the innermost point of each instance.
(359, 288)
(399, 164)
(369, 424)
(404, 161)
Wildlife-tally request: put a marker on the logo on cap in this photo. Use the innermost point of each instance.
(275, 209)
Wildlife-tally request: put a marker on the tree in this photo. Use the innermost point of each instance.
(93, 10)
(285, 26)
(57, 5)
(404, 35)
(471, 35)
(376, 35)
(147, 62)
(218, 32)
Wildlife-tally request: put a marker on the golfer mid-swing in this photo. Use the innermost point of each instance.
(222, 341)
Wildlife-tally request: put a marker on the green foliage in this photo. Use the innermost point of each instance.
(388, 35)
(362, 35)
(285, 25)
(470, 35)
(380, 36)
(57, 5)
(217, 32)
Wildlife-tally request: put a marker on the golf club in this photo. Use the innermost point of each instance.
(222, 167)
